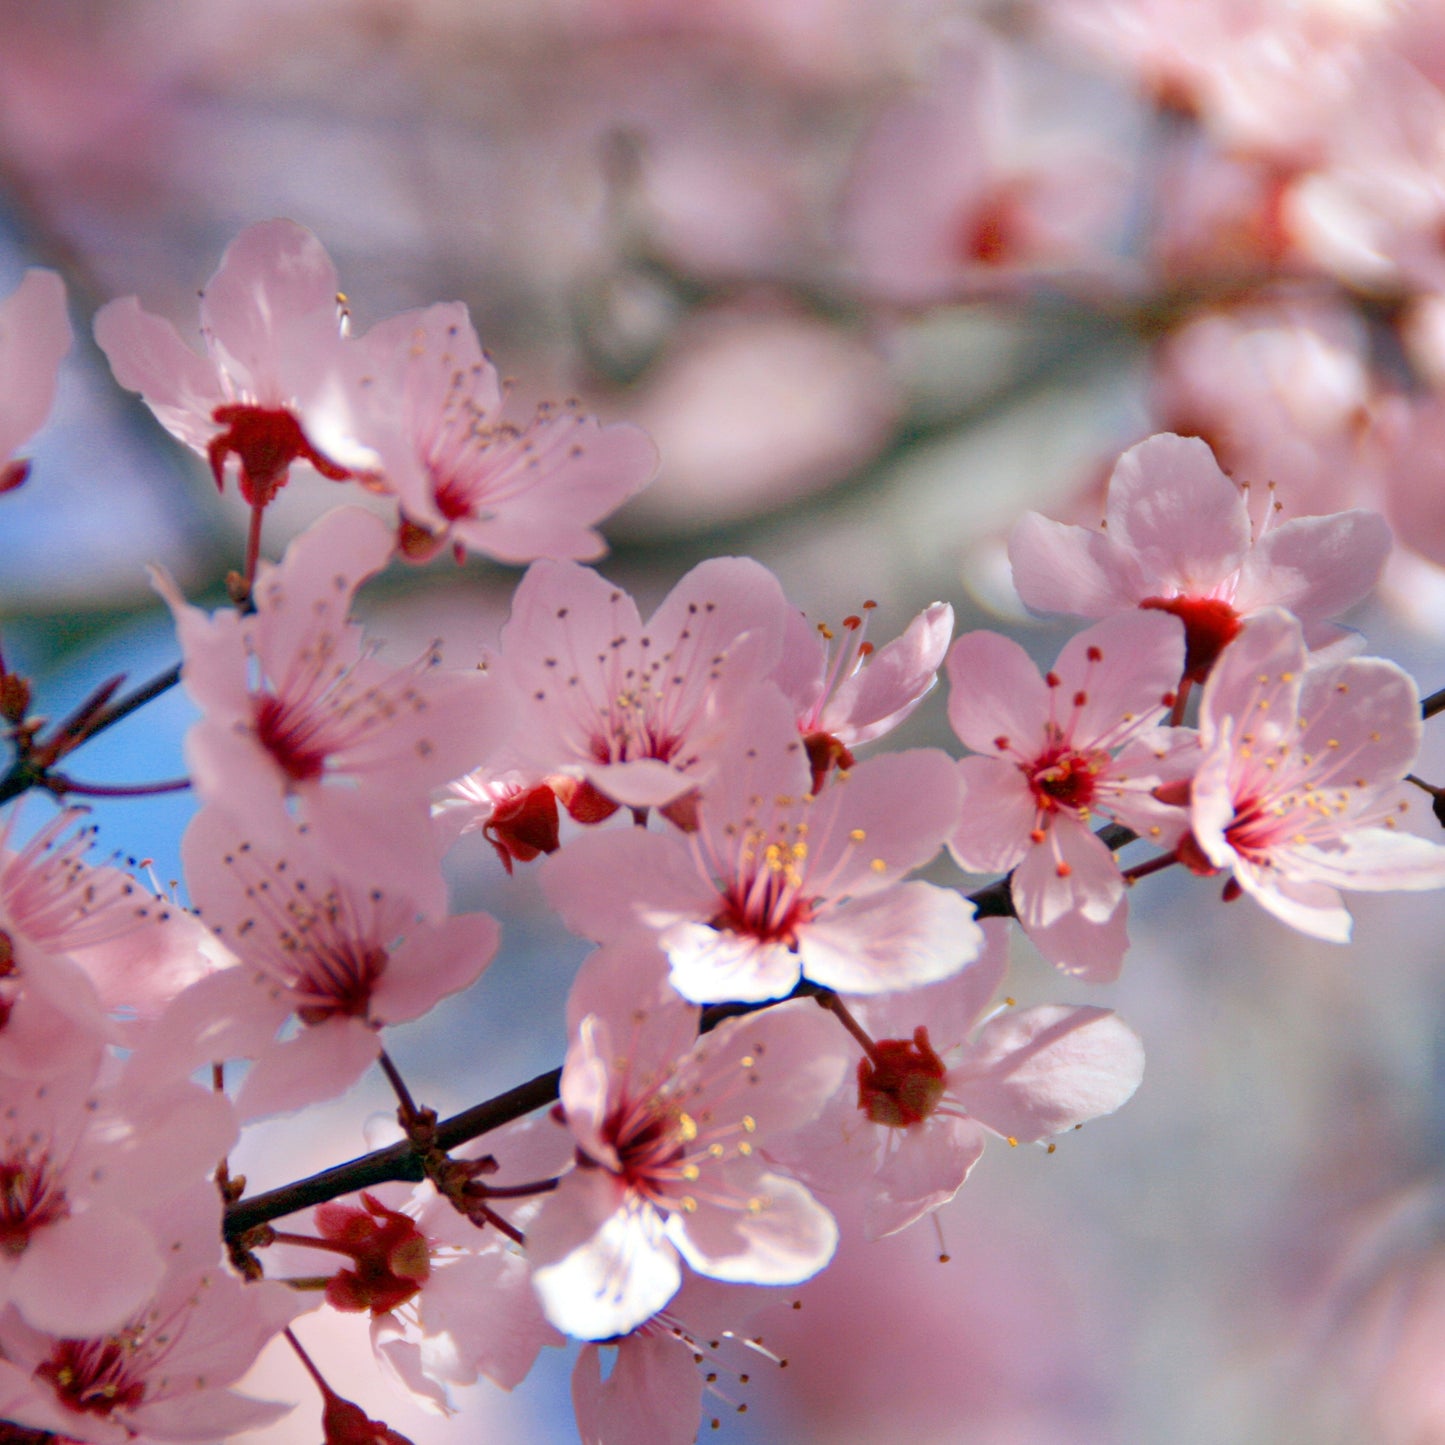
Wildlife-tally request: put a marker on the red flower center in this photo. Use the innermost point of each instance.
(1064, 779)
(92, 1377)
(265, 440)
(904, 1084)
(30, 1199)
(1210, 625)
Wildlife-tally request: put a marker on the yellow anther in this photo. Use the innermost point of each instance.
(745, 1148)
(1012, 1142)
(716, 1151)
(757, 1204)
(747, 1061)
(690, 1172)
(689, 1204)
(1011, 1002)
(687, 1127)
(878, 866)
(1052, 1147)
(750, 1125)
(857, 835)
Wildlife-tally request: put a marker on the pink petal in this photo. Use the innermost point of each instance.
(894, 680)
(1362, 722)
(996, 818)
(951, 1007)
(434, 963)
(1060, 568)
(1125, 667)
(576, 472)
(1309, 907)
(914, 933)
(34, 337)
(318, 1063)
(269, 313)
(924, 1169)
(147, 355)
(602, 1263)
(625, 986)
(883, 818)
(714, 965)
(87, 1274)
(1039, 1071)
(995, 692)
(1269, 646)
(654, 1393)
(785, 1238)
(622, 882)
(1182, 518)
(1373, 860)
(1318, 567)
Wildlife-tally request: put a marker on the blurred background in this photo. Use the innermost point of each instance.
(878, 275)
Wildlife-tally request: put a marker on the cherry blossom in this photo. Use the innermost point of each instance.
(78, 944)
(300, 718)
(949, 188)
(80, 1166)
(342, 955)
(270, 390)
(463, 473)
(34, 336)
(1058, 752)
(1178, 538)
(672, 1133)
(637, 711)
(1296, 790)
(858, 694)
(926, 1097)
(165, 1373)
(777, 883)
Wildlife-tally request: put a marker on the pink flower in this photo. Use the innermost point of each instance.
(164, 1373)
(270, 390)
(671, 1133)
(1052, 764)
(1178, 538)
(81, 1170)
(465, 474)
(1296, 789)
(78, 940)
(637, 711)
(300, 718)
(952, 185)
(778, 883)
(859, 694)
(342, 955)
(34, 336)
(927, 1098)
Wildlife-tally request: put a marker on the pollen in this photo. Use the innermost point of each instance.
(750, 1125)
(857, 835)
(687, 1127)
(878, 866)
(689, 1204)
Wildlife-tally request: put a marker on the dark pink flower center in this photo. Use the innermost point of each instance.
(338, 981)
(290, 736)
(1210, 625)
(650, 1141)
(30, 1199)
(904, 1083)
(93, 1377)
(769, 910)
(1255, 830)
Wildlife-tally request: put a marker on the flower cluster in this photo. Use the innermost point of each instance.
(782, 1019)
